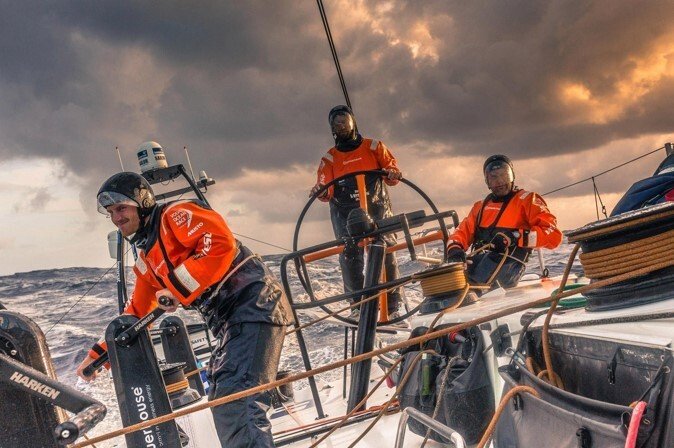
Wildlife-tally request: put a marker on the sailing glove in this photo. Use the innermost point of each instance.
(456, 254)
(503, 241)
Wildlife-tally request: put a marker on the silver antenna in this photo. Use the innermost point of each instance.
(187, 154)
(120, 157)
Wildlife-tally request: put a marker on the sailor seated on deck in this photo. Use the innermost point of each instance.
(509, 221)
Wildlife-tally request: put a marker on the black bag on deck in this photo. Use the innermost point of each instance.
(467, 404)
(601, 378)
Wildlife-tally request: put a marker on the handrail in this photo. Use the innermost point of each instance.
(434, 425)
(429, 238)
(319, 255)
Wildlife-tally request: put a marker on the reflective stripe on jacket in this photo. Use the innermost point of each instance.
(526, 211)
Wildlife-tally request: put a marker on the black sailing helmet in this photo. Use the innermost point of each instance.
(500, 169)
(340, 110)
(127, 188)
(497, 161)
(496, 158)
(343, 110)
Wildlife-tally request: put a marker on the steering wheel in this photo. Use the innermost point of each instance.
(301, 269)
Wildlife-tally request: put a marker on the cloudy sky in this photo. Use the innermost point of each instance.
(565, 88)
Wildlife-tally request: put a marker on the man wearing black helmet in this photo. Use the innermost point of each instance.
(510, 222)
(187, 253)
(353, 153)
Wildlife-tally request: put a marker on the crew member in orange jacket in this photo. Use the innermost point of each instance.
(187, 253)
(350, 154)
(510, 219)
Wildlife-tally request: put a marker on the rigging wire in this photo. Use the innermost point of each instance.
(260, 241)
(603, 172)
(597, 200)
(333, 50)
(98, 280)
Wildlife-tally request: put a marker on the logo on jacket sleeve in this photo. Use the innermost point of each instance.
(195, 228)
(206, 241)
(181, 216)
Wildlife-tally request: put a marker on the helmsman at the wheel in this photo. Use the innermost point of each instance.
(353, 153)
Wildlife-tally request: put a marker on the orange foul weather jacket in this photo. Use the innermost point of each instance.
(370, 155)
(526, 212)
(199, 248)
(197, 244)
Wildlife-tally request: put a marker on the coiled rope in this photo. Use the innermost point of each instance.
(451, 278)
(626, 257)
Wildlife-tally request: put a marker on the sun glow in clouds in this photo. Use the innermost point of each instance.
(642, 75)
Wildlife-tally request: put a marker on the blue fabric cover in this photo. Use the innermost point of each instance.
(648, 191)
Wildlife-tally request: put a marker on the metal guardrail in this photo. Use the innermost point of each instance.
(433, 425)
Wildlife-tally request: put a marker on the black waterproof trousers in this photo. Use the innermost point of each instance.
(485, 264)
(352, 261)
(248, 315)
(247, 356)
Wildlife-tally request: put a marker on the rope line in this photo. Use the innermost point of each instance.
(603, 172)
(597, 200)
(341, 310)
(180, 385)
(394, 397)
(362, 402)
(504, 401)
(552, 376)
(365, 356)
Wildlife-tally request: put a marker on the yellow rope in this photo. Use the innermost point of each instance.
(443, 283)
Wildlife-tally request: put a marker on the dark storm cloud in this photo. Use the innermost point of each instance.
(499, 69)
(248, 84)
(240, 83)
